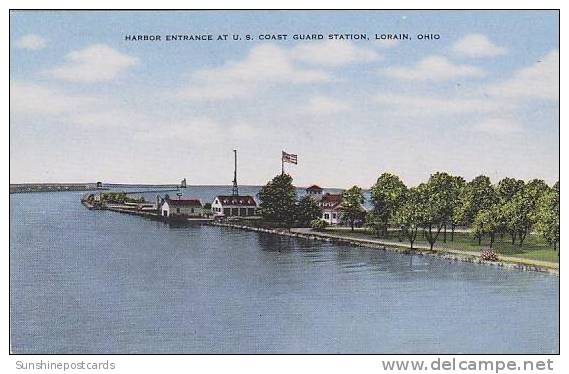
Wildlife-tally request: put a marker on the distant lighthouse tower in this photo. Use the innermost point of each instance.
(235, 191)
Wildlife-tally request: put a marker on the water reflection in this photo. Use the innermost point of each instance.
(101, 282)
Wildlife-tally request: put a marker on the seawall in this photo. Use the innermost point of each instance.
(508, 263)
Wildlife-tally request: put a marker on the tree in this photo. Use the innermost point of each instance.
(444, 188)
(534, 190)
(387, 195)
(277, 201)
(547, 222)
(307, 210)
(351, 205)
(507, 188)
(408, 216)
(477, 195)
(521, 211)
(518, 213)
(433, 207)
(455, 219)
(318, 224)
(488, 222)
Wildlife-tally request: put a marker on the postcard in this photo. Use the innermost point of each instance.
(284, 182)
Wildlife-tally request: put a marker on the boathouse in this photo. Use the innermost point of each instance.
(234, 206)
(181, 208)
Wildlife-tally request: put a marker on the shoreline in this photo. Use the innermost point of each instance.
(504, 262)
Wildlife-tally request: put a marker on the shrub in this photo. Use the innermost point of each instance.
(318, 224)
(488, 255)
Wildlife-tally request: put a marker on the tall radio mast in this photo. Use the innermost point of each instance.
(235, 188)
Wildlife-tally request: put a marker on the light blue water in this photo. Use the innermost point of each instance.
(102, 282)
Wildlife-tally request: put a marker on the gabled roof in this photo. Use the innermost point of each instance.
(332, 198)
(184, 202)
(314, 187)
(238, 200)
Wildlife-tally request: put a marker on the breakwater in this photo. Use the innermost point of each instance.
(508, 263)
(53, 187)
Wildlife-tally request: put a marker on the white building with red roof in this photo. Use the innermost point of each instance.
(330, 205)
(234, 206)
(181, 208)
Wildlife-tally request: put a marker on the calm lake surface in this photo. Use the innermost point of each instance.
(102, 282)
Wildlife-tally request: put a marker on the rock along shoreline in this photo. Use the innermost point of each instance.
(451, 257)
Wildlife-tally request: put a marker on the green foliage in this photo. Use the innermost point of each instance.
(518, 213)
(318, 224)
(437, 200)
(387, 195)
(113, 197)
(489, 222)
(507, 188)
(442, 196)
(521, 211)
(277, 200)
(307, 211)
(547, 216)
(352, 205)
(409, 216)
(478, 194)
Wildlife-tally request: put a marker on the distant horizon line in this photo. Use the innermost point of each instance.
(154, 185)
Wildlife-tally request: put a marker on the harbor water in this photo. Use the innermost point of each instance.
(102, 282)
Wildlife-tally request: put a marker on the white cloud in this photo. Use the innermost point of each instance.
(31, 99)
(477, 45)
(323, 105)
(498, 126)
(197, 130)
(36, 102)
(95, 63)
(429, 106)
(333, 53)
(433, 68)
(265, 65)
(540, 80)
(31, 41)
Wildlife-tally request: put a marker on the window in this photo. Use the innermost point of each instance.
(326, 216)
(334, 215)
(177, 210)
(192, 210)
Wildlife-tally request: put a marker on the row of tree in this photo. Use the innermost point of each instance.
(445, 201)
(511, 207)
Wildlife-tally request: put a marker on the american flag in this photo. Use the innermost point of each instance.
(290, 158)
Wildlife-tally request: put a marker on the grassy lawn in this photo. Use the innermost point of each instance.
(534, 246)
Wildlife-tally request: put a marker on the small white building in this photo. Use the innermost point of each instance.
(330, 205)
(181, 208)
(234, 206)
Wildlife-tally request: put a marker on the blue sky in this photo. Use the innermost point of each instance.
(87, 105)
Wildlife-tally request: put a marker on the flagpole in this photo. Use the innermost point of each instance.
(282, 164)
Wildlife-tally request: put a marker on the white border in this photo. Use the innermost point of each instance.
(252, 363)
